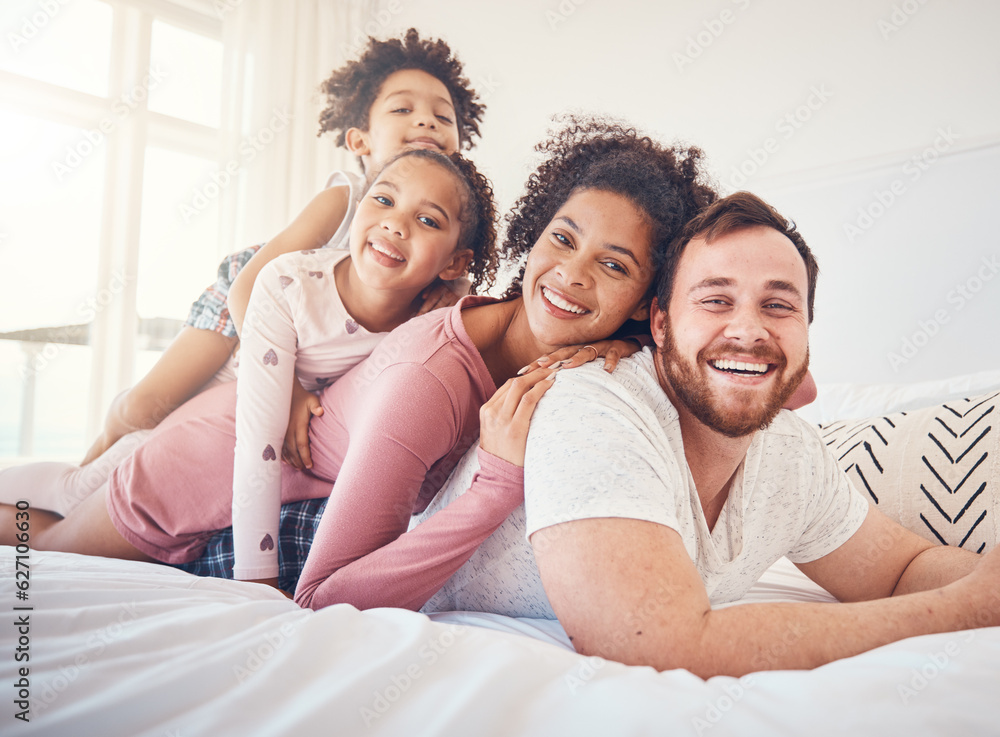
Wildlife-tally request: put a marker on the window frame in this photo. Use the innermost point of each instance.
(114, 333)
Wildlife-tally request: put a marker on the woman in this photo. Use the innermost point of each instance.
(594, 222)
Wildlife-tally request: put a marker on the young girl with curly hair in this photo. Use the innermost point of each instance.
(399, 94)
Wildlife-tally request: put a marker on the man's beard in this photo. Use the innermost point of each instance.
(693, 390)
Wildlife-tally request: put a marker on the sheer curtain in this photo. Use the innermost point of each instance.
(277, 54)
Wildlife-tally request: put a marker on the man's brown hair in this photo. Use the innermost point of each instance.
(728, 215)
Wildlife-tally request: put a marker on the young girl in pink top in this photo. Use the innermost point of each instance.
(596, 217)
(315, 314)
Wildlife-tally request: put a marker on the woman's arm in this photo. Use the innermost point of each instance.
(410, 569)
(363, 554)
(313, 228)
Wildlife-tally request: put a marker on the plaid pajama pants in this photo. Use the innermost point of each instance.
(299, 521)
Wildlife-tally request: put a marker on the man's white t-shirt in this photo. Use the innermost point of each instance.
(609, 445)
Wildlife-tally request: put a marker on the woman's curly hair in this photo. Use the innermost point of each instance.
(664, 182)
(477, 218)
(351, 89)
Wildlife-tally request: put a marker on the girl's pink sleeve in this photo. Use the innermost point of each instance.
(362, 554)
(264, 390)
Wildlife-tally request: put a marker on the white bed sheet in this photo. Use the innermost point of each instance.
(121, 648)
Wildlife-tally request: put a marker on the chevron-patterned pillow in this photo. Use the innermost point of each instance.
(936, 470)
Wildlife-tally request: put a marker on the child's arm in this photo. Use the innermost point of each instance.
(313, 228)
(264, 393)
(186, 365)
(201, 348)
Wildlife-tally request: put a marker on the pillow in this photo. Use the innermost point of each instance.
(935, 470)
(843, 401)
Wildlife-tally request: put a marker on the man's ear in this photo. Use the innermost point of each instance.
(458, 265)
(657, 322)
(357, 142)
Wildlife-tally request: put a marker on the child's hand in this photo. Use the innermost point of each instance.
(443, 293)
(305, 406)
(577, 355)
(504, 419)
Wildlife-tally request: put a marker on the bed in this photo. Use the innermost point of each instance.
(121, 648)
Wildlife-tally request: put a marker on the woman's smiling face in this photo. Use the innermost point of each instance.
(590, 271)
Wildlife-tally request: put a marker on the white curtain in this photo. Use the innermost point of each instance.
(277, 53)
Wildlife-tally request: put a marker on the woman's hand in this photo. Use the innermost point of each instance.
(576, 355)
(305, 406)
(504, 419)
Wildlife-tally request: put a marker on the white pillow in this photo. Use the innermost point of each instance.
(847, 401)
(935, 470)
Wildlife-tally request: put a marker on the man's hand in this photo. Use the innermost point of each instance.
(305, 406)
(983, 585)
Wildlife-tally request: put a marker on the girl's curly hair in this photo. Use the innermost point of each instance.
(477, 218)
(663, 182)
(351, 89)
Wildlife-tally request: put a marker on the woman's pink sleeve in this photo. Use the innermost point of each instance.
(408, 571)
(398, 427)
(362, 554)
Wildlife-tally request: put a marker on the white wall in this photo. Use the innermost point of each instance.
(883, 78)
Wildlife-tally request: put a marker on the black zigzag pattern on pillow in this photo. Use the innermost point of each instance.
(945, 483)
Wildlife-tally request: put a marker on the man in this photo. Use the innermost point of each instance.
(670, 487)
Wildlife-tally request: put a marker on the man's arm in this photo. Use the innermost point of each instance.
(884, 559)
(626, 590)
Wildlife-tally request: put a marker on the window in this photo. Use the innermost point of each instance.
(67, 44)
(111, 118)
